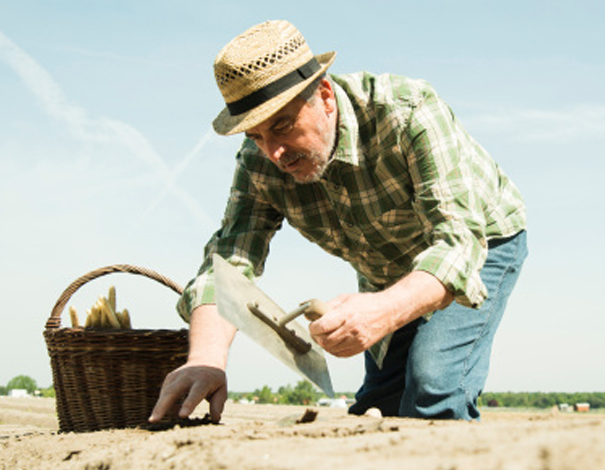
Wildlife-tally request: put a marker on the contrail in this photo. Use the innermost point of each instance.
(41, 84)
(170, 183)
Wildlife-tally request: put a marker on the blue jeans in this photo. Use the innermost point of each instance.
(437, 368)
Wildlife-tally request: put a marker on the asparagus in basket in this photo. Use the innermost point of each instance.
(103, 314)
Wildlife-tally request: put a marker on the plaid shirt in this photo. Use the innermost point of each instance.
(407, 189)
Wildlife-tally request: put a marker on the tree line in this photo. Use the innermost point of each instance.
(304, 393)
(541, 399)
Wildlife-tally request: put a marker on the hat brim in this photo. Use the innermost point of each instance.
(226, 124)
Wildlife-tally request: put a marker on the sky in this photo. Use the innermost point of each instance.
(107, 156)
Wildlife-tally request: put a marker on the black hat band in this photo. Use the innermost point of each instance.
(262, 95)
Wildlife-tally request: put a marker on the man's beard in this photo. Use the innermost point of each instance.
(318, 159)
(315, 160)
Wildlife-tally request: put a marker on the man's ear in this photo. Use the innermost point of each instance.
(326, 93)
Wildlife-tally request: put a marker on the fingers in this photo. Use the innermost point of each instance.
(169, 395)
(195, 383)
(197, 393)
(340, 343)
(338, 334)
(332, 336)
(213, 389)
(217, 404)
(339, 348)
(327, 324)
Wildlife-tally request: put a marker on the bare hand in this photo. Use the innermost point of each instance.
(354, 323)
(358, 321)
(195, 383)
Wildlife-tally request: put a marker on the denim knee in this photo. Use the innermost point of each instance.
(436, 394)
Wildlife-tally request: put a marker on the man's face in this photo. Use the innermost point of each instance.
(299, 138)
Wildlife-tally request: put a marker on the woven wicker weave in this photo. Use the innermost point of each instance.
(107, 379)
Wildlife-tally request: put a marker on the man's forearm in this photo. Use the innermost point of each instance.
(210, 337)
(415, 295)
(355, 322)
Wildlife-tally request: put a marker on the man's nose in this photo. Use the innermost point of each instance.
(275, 150)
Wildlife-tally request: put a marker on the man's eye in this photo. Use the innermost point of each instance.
(283, 128)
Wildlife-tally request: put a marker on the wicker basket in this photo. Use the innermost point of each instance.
(108, 379)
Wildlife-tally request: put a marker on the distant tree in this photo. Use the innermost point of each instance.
(22, 382)
(284, 394)
(48, 392)
(303, 394)
(598, 400)
(265, 395)
(3, 390)
(544, 400)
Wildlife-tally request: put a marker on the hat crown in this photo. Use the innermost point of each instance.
(258, 57)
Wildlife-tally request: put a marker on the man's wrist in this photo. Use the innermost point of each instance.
(415, 295)
(210, 337)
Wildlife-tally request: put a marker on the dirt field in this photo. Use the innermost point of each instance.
(268, 437)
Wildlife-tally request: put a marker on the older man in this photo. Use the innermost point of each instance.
(377, 170)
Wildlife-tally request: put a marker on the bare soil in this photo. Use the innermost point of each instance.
(269, 437)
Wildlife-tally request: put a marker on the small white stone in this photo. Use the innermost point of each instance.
(373, 412)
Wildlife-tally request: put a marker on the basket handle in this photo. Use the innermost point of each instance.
(55, 316)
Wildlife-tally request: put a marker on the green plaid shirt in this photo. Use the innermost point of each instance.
(407, 189)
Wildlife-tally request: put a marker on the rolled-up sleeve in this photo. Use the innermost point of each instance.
(441, 159)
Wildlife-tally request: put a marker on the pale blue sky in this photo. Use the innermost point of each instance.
(107, 156)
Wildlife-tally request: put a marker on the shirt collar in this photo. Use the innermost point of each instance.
(348, 148)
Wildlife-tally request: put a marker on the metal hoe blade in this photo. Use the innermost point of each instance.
(245, 306)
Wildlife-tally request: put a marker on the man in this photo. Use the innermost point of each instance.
(377, 170)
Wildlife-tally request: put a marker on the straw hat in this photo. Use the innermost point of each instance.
(262, 70)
